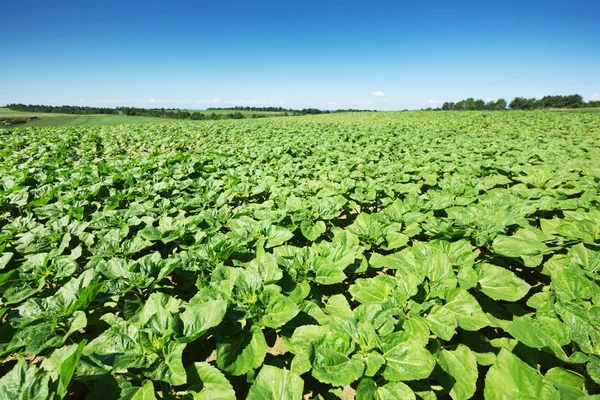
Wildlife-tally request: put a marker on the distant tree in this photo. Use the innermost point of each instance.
(500, 104)
(521, 103)
(570, 101)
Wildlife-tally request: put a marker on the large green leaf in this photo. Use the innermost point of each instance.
(328, 273)
(466, 310)
(442, 322)
(570, 384)
(461, 367)
(500, 283)
(279, 311)
(25, 382)
(336, 368)
(273, 383)
(510, 377)
(144, 392)
(541, 332)
(241, 351)
(198, 317)
(208, 383)
(585, 257)
(368, 390)
(170, 369)
(521, 245)
(376, 290)
(67, 369)
(312, 231)
(406, 360)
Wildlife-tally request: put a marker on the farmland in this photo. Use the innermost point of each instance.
(379, 255)
(59, 119)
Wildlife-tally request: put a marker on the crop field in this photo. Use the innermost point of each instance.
(407, 255)
(57, 119)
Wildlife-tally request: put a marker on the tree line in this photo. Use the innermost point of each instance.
(174, 113)
(62, 109)
(522, 103)
(287, 111)
(178, 114)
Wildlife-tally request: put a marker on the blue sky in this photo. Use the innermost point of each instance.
(324, 54)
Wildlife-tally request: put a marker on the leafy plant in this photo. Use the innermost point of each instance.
(375, 255)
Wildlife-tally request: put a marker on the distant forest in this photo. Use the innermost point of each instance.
(290, 111)
(522, 103)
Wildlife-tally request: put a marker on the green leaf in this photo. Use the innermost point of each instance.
(593, 369)
(393, 391)
(279, 311)
(396, 240)
(273, 383)
(334, 367)
(67, 368)
(145, 392)
(373, 362)
(521, 245)
(570, 384)
(18, 291)
(265, 267)
(4, 258)
(208, 383)
(328, 273)
(466, 310)
(170, 369)
(375, 290)
(510, 377)
(278, 235)
(24, 382)
(569, 283)
(368, 390)
(151, 233)
(442, 322)
(312, 231)
(541, 332)
(585, 257)
(241, 351)
(500, 283)
(407, 361)
(198, 317)
(302, 343)
(461, 365)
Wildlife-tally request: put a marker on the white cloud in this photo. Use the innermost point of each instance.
(378, 94)
(333, 103)
(153, 100)
(435, 102)
(595, 96)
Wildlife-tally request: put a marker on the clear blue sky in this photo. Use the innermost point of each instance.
(325, 54)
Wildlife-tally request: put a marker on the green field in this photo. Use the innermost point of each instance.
(5, 112)
(51, 119)
(89, 120)
(580, 110)
(397, 255)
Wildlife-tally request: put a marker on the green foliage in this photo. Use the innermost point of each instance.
(399, 255)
